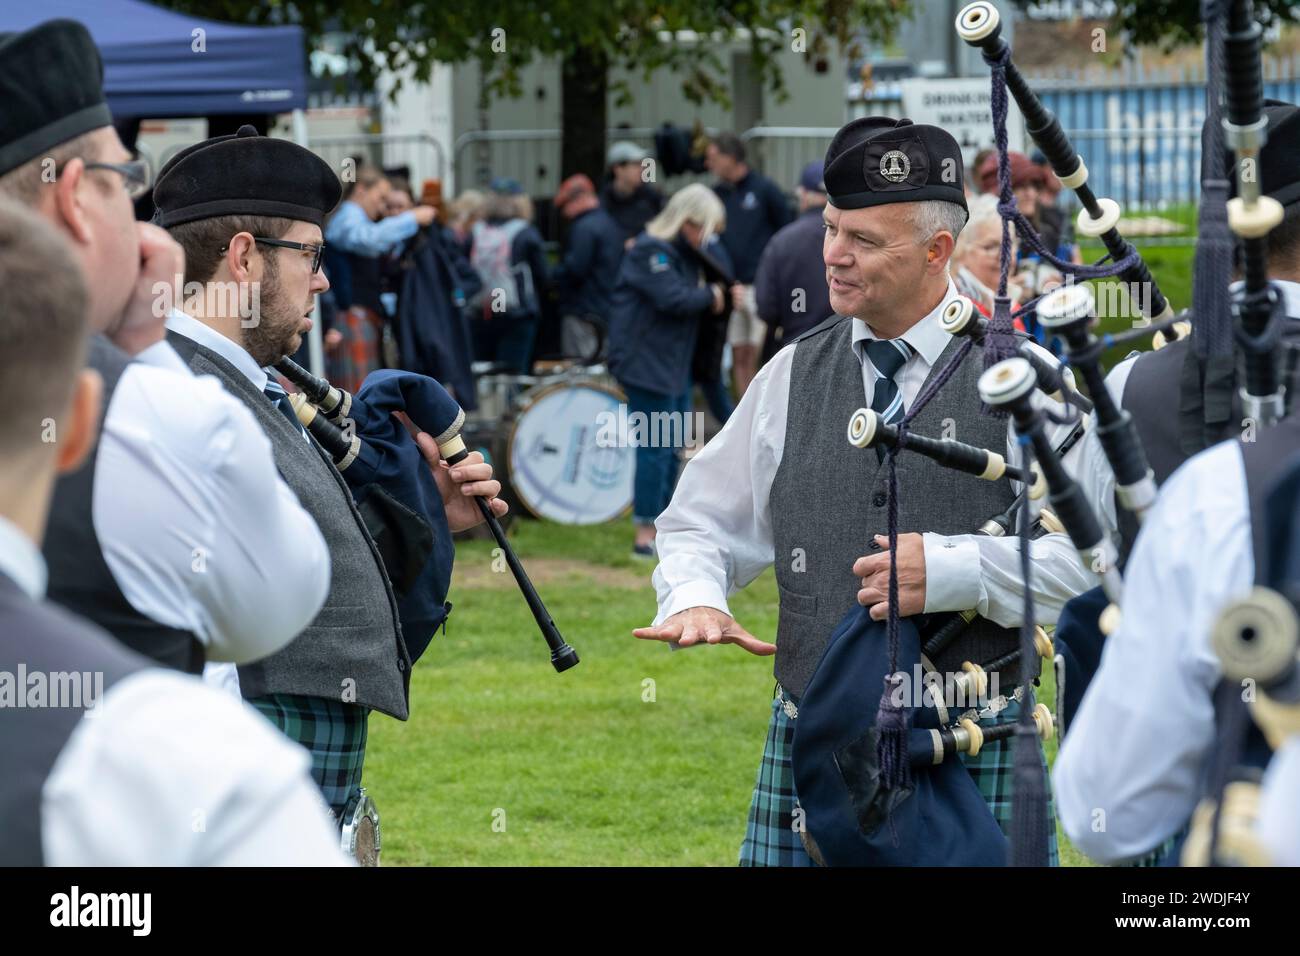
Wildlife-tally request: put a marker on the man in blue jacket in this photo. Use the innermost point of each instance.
(790, 290)
(756, 208)
(587, 274)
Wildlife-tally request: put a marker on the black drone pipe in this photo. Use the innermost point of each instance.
(1070, 313)
(1008, 384)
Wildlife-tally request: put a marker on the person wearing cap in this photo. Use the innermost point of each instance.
(790, 289)
(359, 234)
(756, 209)
(1027, 183)
(176, 535)
(1199, 541)
(248, 211)
(781, 487)
(509, 256)
(588, 271)
(111, 760)
(627, 196)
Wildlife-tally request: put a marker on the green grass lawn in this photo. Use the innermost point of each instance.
(638, 756)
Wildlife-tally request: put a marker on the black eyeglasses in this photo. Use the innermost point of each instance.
(135, 173)
(317, 251)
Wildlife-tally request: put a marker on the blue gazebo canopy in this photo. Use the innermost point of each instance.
(156, 65)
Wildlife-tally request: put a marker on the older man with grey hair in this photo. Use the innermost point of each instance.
(781, 487)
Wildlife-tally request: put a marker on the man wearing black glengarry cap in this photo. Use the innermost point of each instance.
(798, 498)
(248, 210)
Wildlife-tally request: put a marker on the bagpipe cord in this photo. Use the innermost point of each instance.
(1001, 343)
(892, 714)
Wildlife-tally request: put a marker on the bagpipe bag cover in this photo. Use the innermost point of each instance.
(411, 529)
(939, 820)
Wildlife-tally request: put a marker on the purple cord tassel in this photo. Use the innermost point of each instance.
(891, 736)
(892, 715)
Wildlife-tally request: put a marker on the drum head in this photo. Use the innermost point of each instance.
(567, 456)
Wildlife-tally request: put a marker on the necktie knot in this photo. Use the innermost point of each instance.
(887, 356)
(280, 399)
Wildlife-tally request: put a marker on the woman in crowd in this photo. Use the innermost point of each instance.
(658, 302)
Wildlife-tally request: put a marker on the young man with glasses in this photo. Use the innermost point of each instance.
(176, 535)
(248, 211)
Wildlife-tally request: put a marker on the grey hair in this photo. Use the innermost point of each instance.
(937, 215)
(983, 209)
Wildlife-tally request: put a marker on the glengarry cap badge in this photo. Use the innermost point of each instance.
(894, 165)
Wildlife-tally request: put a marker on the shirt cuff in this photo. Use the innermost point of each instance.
(952, 572)
(692, 594)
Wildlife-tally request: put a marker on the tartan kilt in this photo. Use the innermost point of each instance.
(333, 732)
(359, 353)
(771, 838)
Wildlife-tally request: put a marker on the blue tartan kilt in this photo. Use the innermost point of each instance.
(334, 733)
(772, 832)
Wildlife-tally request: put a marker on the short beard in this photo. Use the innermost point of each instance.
(270, 339)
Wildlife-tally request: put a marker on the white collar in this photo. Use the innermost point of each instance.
(22, 561)
(926, 337)
(183, 324)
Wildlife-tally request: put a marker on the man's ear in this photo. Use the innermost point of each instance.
(82, 425)
(239, 256)
(940, 251)
(67, 201)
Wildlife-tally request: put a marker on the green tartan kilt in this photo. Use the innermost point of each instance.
(771, 838)
(333, 732)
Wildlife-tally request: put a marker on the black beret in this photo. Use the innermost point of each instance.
(52, 88)
(878, 159)
(1279, 160)
(244, 174)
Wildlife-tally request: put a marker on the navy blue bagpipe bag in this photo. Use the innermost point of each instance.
(398, 498)
(940, 819)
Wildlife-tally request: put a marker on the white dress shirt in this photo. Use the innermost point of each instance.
(1279, 826)
(1092, 470)
(166, 772)
(1132, 767)
(315, 574)
(716, 534)
(198, 529)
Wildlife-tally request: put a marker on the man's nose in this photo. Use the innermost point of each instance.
(836, 252)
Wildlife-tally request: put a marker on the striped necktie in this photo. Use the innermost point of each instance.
(887, 356)
(280, 399)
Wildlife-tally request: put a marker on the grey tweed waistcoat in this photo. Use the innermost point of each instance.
(828, 499)
(353, 651)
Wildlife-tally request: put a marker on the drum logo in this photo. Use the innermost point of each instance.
(895, 165)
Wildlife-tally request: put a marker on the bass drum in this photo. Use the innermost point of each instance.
(562, 454)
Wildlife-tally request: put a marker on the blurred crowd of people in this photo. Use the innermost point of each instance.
(693, 292)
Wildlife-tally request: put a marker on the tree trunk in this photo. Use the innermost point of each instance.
(584, 114)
